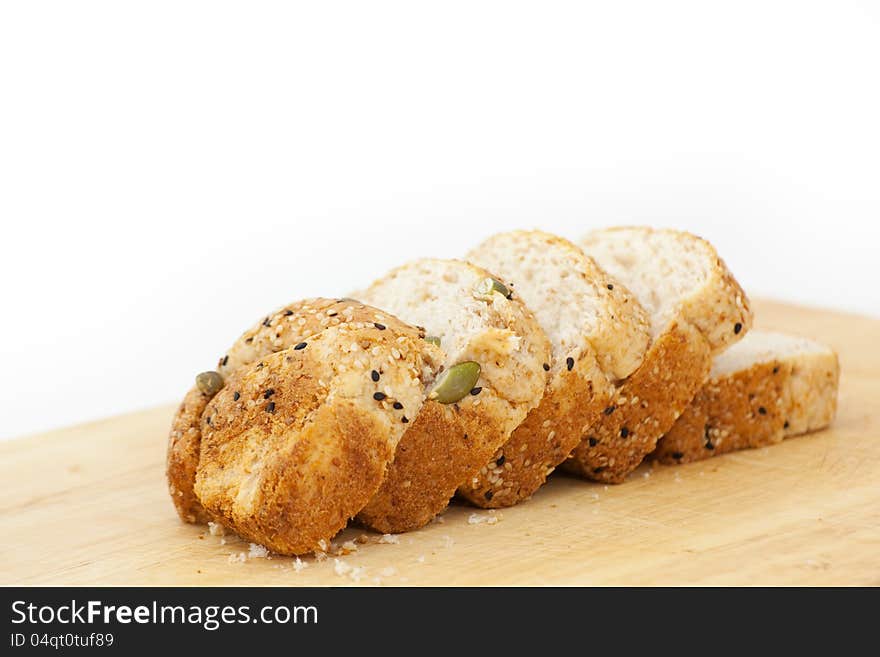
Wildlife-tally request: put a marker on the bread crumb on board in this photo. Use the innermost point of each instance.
(490, 518)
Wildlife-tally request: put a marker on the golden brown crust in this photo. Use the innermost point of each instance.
(755, 407)
(296, 445)
(645, 407)
(446, 444)
(284, 328)
(729, 413)
(183, 456)
(544, 439)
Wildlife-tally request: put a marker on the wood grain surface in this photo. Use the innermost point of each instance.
(88, 505)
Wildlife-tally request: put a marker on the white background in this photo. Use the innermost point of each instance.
(170, 171)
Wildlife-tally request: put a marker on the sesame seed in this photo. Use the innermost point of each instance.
(268, 393)
(398, 406)
(762, 410)
(624, 432)
(488, 494)
(476, 391)
(593, 442)
(301, 345)
(737, 328)
(569, 363)
(710, 446)
(270, 407)
(404, 419)
(266, 322)
(609, 410)
(249, 340)
(225, 360)
(610, 286)
(785, 426)
(677, 456)
(546, 367)
(776, 370)
(288, 312)
(379, 326)
(379, 396)
(236, 396)
(500, 461)
(374, 375)
(599, 469)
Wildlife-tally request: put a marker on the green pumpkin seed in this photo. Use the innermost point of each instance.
(489, 286)
(433, 339)
(209, 383)
(456, 382)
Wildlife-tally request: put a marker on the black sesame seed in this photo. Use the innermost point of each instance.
(609, 410)
(785, 426)
(488, 494)
(208, 420)
(762, 410)
(379, 396)
(398, 406)
(301, 345)
(288, 313)
(776, 370)
(270, 407)
(266, 322)
(546, 367)
(569, 363)
(500, 461)
(268, 393)
(610, 286)
(404, 419)
(236, 396)
(710, 446)
(599, 469)
(677, 456)
(737, 328)
(476, 391)
(332, 314)
(249, 340)
(624, 432)
(593, 441)
(374, 375)
(225, 360)
(465, 437)
(379, 326)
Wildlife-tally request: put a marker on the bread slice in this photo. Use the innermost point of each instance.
(696, 309)
(598, 334)
(765, 388)
(449, 442)
(283, 329)
(294, 446)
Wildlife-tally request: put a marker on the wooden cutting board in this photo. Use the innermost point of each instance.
(88, 505)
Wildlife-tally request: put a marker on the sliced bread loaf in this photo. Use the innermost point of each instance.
(598, 334)
(696, 310)
(493, 347)
(295, 445)
(283, 329)
(765, 388)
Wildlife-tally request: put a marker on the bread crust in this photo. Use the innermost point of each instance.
(675, 367)
(754, 407)
(296, 445)
(448, 444)
(283, 329)
(645, 406)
